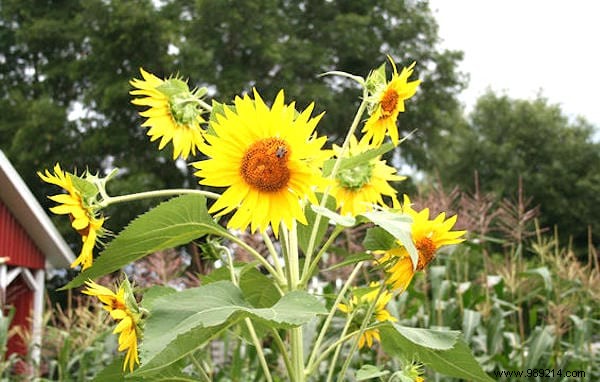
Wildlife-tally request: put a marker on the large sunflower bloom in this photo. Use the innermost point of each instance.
(83, 218)
(127, 328)
(173, 114)
(381, 313)
(357, 189)
(268, 158)
(389, 102)
(428, 237)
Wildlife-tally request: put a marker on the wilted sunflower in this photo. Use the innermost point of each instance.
(123, 309)
(174, 113)
(357, 188)
(428, 236)
(268, 158)
(83, 217)
(388, 100)
(362, 301)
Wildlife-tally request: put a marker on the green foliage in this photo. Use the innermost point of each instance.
(557, 160)
(177, 327)
(172, 223)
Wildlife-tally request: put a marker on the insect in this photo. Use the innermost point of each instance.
(280, 152)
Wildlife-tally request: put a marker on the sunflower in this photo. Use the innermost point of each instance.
(122, 309)
(268, 158)
(361, 302)
(428, 237)
(82, 214)
(358, 188)
(174, 113)
(388, 100)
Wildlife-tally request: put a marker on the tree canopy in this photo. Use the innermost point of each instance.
(557, 159)
(65, 68)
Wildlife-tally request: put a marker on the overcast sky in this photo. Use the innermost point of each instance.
(522, 47)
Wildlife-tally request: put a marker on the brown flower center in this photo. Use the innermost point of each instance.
(426, 249)
(389, 101)
(264, 165)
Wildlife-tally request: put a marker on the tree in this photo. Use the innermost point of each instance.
(65, 56)
(506, 139)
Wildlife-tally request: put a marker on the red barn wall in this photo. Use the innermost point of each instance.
(22, 252)
(16, 244)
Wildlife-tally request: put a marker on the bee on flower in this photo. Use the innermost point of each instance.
(387, 101)
(79, 203)
(428, 237)
(123, 308)
(269, 158)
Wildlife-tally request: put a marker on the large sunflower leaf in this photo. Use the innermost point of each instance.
(443, 350)
(399, 226)
(174, 222)
(179, 324)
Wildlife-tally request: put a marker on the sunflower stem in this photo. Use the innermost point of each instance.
(313, 235)
(108, 200)
(269, 243)
(338, 347)
(315, 262)
(296, 334)
(256, 255)
(362, 329)
(257, 344)
(311, 360)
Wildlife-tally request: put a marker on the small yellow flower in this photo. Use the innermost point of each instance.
(83, 217)
(268, 158)
(173, 115)
(388, 103)
(361, 303)
(358, 188)
(127, 316)
(428, 237)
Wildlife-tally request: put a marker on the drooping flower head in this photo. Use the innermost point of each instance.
(77, 203)
(357, 188)
(269, 159)
(174, 113)
(428, 237)
(387, 102)
(359, 304)
(123, 309)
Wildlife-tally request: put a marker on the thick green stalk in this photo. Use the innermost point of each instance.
(296, 334)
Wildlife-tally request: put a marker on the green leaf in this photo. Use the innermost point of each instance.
(399, 226)
(377, 238)
(471, 320)
(356, 160)
(180, 324)
(443, 351)
(370, 372)
(542, 341)
(304, 231)
(542, 272)
(172, 223)
(259, 290)
(344, 221)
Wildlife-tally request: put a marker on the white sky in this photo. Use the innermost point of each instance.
(522, 47)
